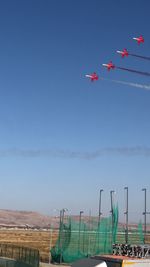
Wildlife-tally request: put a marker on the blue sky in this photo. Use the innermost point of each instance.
(63, 138)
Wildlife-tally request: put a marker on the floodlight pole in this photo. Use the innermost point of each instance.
(51, 232)
(112, 210)
(81, 212)
(100, 213)
(50, 244)
(144, 213)
(126, 213)
(62, 213)
(111, 202)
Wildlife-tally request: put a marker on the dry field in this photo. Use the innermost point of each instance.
(41, 240)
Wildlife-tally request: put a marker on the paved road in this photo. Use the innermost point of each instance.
(53, 265)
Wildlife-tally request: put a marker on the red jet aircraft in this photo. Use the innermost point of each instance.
(123, 53)
(93, 76)
(109, 65)
(139, 39)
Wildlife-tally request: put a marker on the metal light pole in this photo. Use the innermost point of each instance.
(89, 238)
(62, 217)
(50, 244)
(144, 213)
(100, 213)
(111, 202)
(62, 213)
(112, 211)
(126, 213)
(52, 226)
(81, 212)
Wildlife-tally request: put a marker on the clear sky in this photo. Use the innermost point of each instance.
(62, 137)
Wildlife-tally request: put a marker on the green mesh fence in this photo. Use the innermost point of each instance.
(114, 224)
(78, 239)
(140, 233)
(135, 235)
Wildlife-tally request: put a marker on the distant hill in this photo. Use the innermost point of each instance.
(31, 219)
(28, 219)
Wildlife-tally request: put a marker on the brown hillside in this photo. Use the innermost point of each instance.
(24, 218)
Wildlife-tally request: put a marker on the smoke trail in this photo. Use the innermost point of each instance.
(134, 71)
(71, 154)
(137, 85)
(142, 57)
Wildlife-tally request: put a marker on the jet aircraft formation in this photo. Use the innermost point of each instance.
(124, 53)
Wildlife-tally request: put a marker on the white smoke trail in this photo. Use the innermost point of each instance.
(128, 151)
(137, 85)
